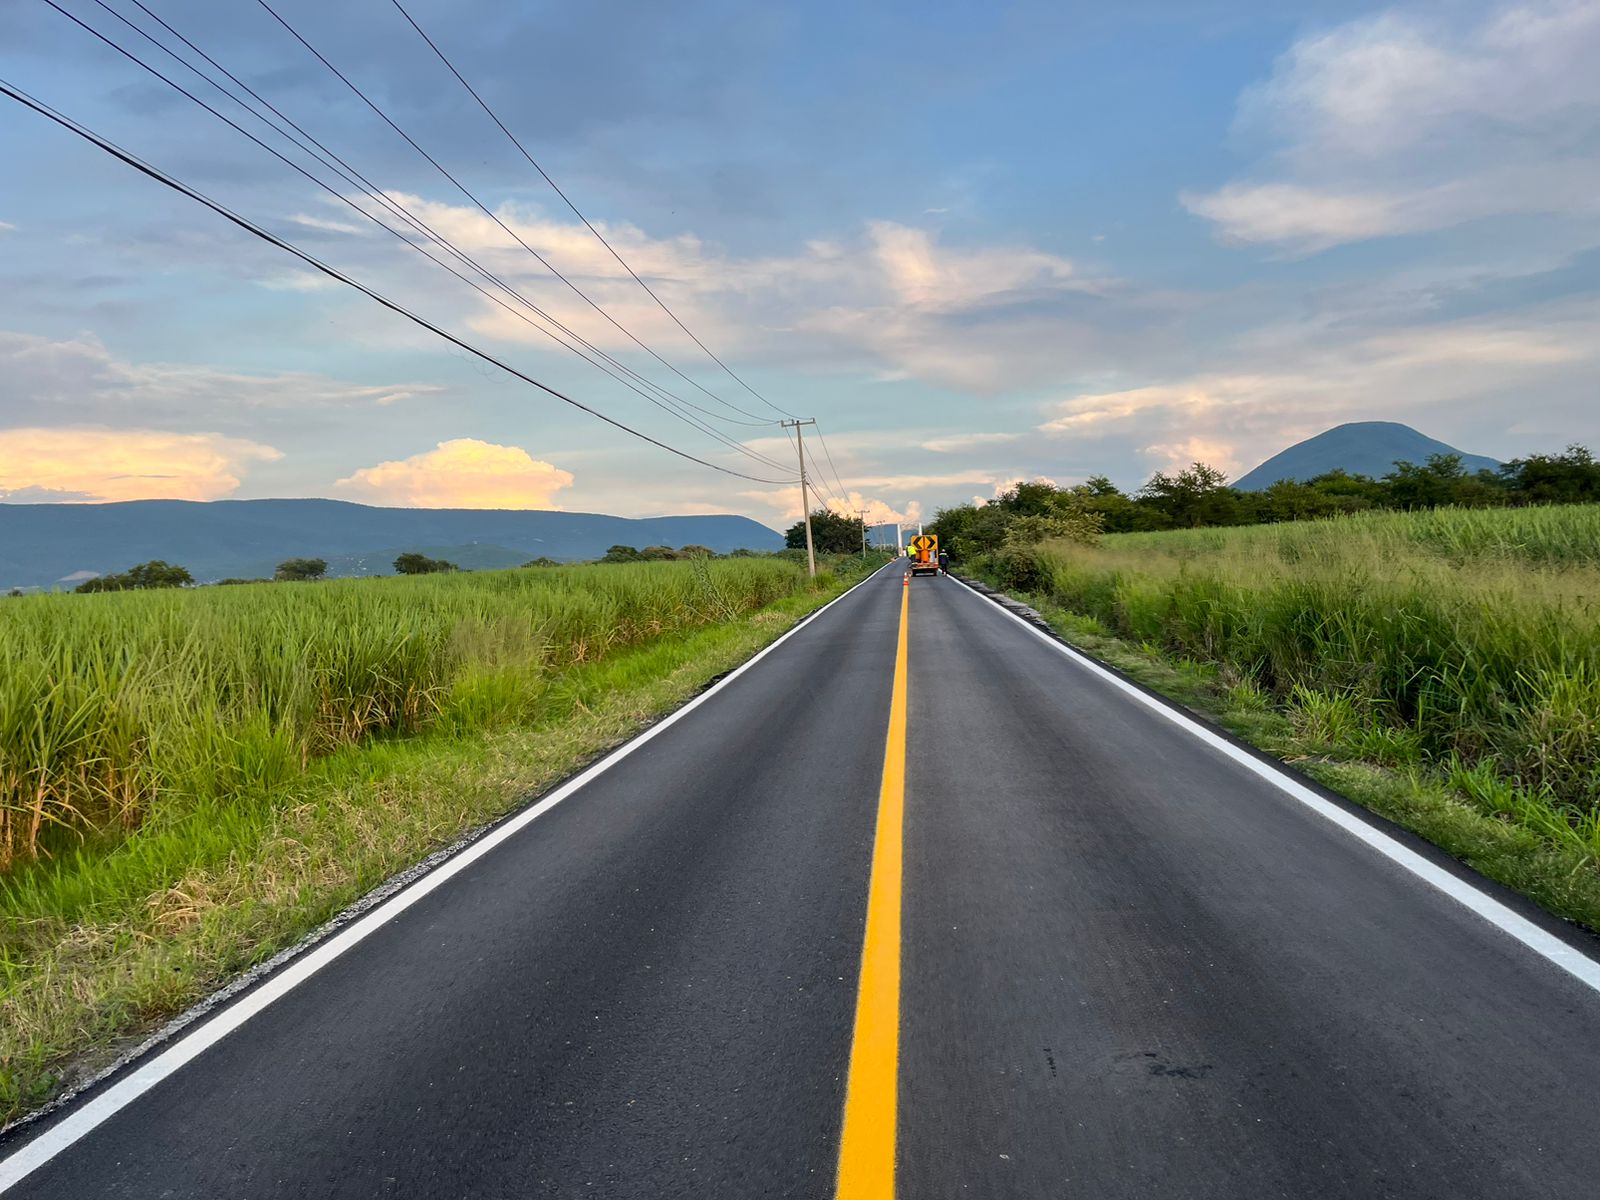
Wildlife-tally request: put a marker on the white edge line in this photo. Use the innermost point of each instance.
(1549, 947)
(34, 1154)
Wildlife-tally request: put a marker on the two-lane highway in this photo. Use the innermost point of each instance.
(1112, 961)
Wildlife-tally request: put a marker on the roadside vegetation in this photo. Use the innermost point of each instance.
(1198, 497)
(831, 533)
(144, 577)
(190, 779)
(1441, 666)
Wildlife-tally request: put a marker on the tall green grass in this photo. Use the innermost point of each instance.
(1464, 640)
(121, 709)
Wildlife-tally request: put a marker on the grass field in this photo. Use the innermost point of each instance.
(1458, 648)
(120, 709)
(193, 780)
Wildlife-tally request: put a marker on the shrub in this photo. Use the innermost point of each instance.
(301, 569)
(413, 563)
(153, 574)
(1019, 568)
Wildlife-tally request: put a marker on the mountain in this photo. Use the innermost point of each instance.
(43, 545)
(1361, 448)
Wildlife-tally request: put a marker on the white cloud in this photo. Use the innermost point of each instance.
(923, 276)
(885, 496)
(7, 227)
(1419, 119)
(327, 226)
(462, 473)
(123, 464)
(967, 441)
(878, 512)
(78, 380)
(299, 281)
(1306, 216)
(1295, 381)
(785, 505)
(893, 298)
(903, 483)
(1174, 456)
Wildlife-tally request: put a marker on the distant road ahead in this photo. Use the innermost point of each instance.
(1110, 961)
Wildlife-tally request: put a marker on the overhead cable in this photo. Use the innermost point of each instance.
(844, 491)
(611, 366)
(476, 202)
(324, 154)
(21, 97)
(483, 104)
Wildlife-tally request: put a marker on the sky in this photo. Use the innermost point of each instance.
(977, 242)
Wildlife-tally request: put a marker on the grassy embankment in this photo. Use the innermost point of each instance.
(1441, 668)
(190, 781)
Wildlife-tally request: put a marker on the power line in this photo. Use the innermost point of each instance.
(483, 104)
(317, 264)
(817, 478)
(365, 185)
(829, 455)
(351, 175)
(483, 208)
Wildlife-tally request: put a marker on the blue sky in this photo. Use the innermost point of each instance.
(977, 241)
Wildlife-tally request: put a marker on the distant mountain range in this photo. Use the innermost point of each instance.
(1360, 448)
(48, 545)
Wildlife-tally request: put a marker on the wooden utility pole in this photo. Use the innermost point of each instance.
(805, 491)
(862, 513)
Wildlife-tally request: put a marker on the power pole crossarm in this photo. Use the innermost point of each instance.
(805, 491)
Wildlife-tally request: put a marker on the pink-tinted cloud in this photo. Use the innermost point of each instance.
(124, 464)
(461, 473)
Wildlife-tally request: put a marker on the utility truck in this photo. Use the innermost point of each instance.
(924, 554)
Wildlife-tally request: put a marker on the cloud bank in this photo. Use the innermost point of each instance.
(1417, 120)
(461, 473)
(79, 381)
(85, 464)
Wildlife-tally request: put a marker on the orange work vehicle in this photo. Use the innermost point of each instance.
(924, 554)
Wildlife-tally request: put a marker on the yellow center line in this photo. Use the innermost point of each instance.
(866, 1149)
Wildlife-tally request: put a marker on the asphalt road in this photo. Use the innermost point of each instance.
(1129, 967)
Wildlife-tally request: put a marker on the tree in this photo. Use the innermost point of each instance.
(1197, 495)
(1080, 527)
(158, 574)
(1033, 498)
(970, 529)
(412, 563)
(1436, 482)
(301, 569)
(1118, 513)
(693, 550)
(830, 533)
(620, 554)
(153, 574)
(542, 561)
(658, 554)
(1569, 478)
(1025, 514)
(14, 592)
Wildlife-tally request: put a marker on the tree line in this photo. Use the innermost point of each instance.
(158, 573)
(1199, 496)
(617, 554)
(830, 533)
